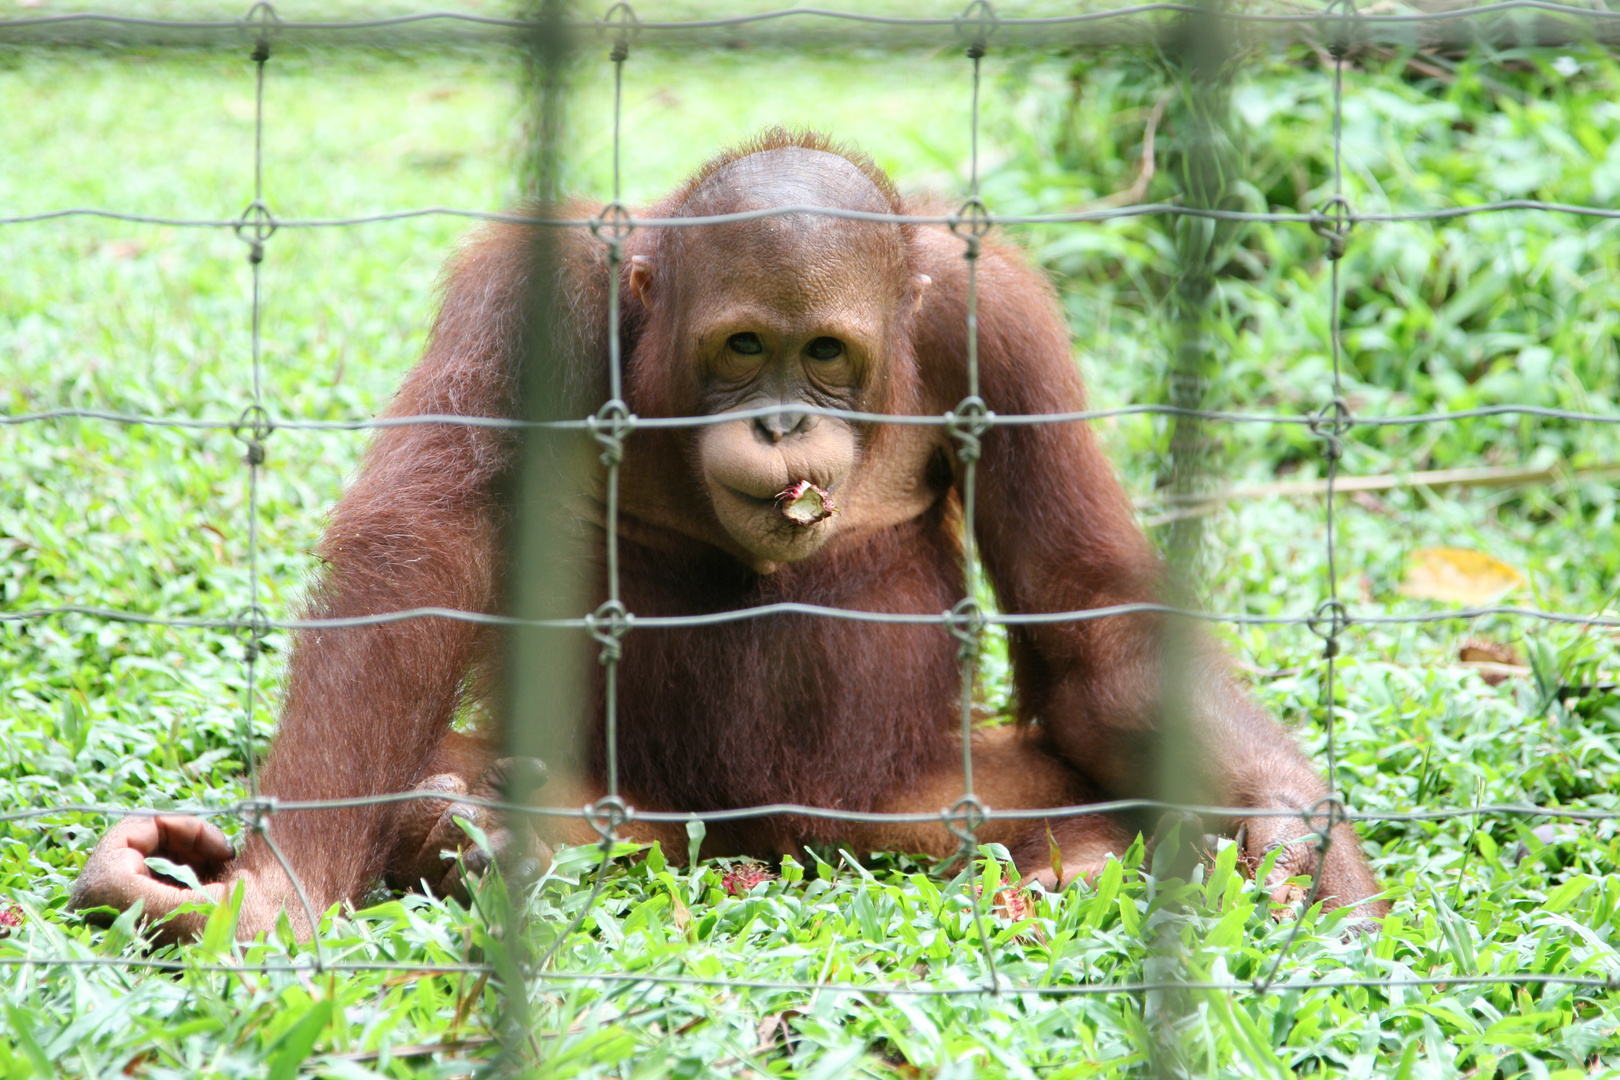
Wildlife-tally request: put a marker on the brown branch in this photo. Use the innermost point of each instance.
(1201, 503)
(1145, 171)
(418, 1050)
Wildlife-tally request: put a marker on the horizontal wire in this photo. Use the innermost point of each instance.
(718, 618)
(255, 809)
(991, 419)
(1325, 17)
(294, 223)
(879, 989)
(277, 24)
(1280, 217)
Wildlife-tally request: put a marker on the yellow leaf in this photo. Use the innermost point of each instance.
(679, 913)
(1458, 575)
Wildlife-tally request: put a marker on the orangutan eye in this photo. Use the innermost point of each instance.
(825, 348)
(747, 344)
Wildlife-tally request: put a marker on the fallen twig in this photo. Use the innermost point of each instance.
(1144, 173)
(1200, 503)
(418, 1050)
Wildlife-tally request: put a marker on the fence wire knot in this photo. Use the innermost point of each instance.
(966, 623)
(606, 815)
(621, 19)
(1330, 619)
(1333, 224)
(967, 423)
(963, 818)
(262, 16)
(1339, 40)
(256, 812)
(976, 24)
(1330, 808)
(611, 225)
(610, 426)
(1330, 425)
(253, 621)
(972, 222)
(256, 225)
(253, 427)
(608, 624)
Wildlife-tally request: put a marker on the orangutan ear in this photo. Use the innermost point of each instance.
(916, 289)
(641, 279)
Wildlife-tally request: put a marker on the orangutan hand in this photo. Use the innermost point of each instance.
(116, 875)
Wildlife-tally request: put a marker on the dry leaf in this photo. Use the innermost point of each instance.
(1483, 649)
(679, 913)
(1496, 662)
(1459, 576)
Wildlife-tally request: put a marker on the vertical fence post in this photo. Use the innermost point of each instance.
(549, 551)
(545, 677)
(1202, 164)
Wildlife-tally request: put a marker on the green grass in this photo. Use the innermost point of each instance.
(1515, 307)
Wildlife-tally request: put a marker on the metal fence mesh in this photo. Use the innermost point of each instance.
(1341, 26)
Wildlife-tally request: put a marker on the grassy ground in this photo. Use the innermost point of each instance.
(1506, 308)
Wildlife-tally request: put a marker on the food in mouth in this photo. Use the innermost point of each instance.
(805, 504)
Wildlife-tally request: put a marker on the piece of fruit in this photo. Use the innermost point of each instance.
(805, 504)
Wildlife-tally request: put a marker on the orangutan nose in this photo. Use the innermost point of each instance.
(778, 426)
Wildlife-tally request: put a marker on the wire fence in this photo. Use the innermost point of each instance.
(1518, 21)
(976, 31)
